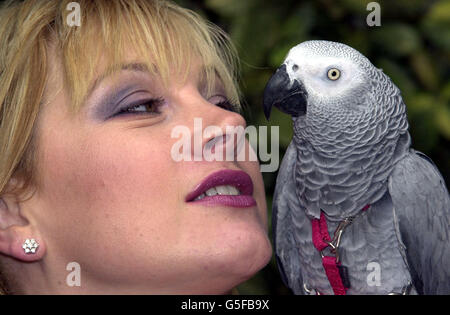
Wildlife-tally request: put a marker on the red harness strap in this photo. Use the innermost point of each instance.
(321, 240)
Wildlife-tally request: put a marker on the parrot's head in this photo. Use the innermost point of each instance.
(326, 82)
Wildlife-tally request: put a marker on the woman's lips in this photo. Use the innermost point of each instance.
(238, 179)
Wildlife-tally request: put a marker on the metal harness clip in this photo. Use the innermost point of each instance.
(336, 241)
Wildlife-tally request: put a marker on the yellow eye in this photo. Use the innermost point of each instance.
(333, 74)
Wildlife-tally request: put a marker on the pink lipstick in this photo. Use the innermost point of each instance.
(225, 187)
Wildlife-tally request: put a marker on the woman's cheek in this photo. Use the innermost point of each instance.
(253, 168)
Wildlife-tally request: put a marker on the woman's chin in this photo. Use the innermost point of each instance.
(239, 257)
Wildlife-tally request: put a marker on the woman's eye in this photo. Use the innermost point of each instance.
(225, 104)
(149, 107)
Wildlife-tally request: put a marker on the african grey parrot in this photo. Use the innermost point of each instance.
(351, 158)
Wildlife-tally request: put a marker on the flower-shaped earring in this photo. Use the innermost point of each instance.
(30, 246)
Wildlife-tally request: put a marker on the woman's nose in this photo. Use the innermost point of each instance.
(222, 132)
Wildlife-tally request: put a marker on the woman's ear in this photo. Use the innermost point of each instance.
(15, 230)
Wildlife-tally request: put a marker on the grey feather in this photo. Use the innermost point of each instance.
(351, 147)
(422, 206)
(285, 242)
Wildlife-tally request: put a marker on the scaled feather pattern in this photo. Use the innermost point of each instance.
(351, 148)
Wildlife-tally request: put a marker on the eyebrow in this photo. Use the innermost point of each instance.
(137, 67)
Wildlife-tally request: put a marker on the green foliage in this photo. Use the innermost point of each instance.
(412, 46)
(397, 39)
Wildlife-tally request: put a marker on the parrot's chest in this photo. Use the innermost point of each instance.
(369, 251)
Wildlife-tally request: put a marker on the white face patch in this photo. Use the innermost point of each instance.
(312, 69)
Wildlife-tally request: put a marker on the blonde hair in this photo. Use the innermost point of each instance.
(167, 36)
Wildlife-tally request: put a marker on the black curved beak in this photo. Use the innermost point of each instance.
(290, 98)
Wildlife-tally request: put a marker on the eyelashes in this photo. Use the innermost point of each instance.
(146, 107)
(152, 107)
(227, 105)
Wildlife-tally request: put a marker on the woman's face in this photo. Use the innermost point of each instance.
(112, 198)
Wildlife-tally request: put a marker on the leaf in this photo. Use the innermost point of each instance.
(397, 39)
(398, 75)
(445, 94)
(421, 117)
(425, 70)
(442, 118)
(229, 8)
(440, 12)
(436, 24)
